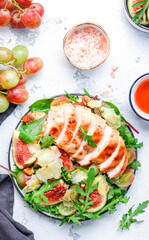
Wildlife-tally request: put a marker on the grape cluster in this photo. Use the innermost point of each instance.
(11, 80)
(28, 14)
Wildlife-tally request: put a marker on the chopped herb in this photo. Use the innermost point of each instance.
(86, 93)
(42, 105)
(32, 130)
(47, 141)
(141, 11)
(87, 138)
(128, 218)
(72, 98)
(135, 165)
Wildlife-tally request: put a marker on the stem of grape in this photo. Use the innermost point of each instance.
(17, 5)
(9, 65)
(6, 5)
(5, 93)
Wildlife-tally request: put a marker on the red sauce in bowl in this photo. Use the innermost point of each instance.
(142, 96)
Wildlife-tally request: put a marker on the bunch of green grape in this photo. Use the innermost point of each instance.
(12, 79)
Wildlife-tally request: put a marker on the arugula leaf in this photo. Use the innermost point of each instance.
(89, 189)
(86, 93)
(135, 165)
(128, 218)
(129, 140)
(34, 198)
(72, 98)
(142, 12)
(32, 130)
(112, 203)
(54, 210)
(65, 175)
(138, 4)
(42, 105)
(88, 138)
(114, 107)
(82, 169)
(47, 141)
(16, 170)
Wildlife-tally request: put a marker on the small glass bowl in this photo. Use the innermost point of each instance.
(78, 27)
(133, 104)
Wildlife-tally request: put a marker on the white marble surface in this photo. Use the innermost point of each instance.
(130, 52)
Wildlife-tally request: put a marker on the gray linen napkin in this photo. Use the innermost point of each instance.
(9, 228)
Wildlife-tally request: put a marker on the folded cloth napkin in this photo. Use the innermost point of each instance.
(5, 114)
(9, 228)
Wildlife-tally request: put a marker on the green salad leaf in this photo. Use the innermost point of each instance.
(135, 164)
(42, 105)
(86, 93)
(128, 218)
(113, 107)
(72, 98)
(129, 140)
(47, 141)
(31, 130)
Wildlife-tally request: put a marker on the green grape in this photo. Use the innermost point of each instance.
(4, 103)
(9, 79)
(20, 53)
(5, 55)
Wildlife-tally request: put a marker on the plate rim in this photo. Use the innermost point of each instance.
(9, 160)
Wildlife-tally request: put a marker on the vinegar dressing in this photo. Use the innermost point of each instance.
(142, 96)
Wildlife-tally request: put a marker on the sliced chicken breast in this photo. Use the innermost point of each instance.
(55, 121)
(120, 168)
(115, 158)
(84, 119)
(104, 149)
(96, 130)
(70, 123)
(31, 116)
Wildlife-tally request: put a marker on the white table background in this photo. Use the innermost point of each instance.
(130, 52)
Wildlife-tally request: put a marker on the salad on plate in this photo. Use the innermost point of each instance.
(74, 157)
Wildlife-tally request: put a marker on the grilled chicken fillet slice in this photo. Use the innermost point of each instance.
(31, 116)
(120, 168)
(96, 130)
(55, 121)
(84, 120)
(70, 123)
(115, 158)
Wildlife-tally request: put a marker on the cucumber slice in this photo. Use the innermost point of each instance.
(66, 211)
